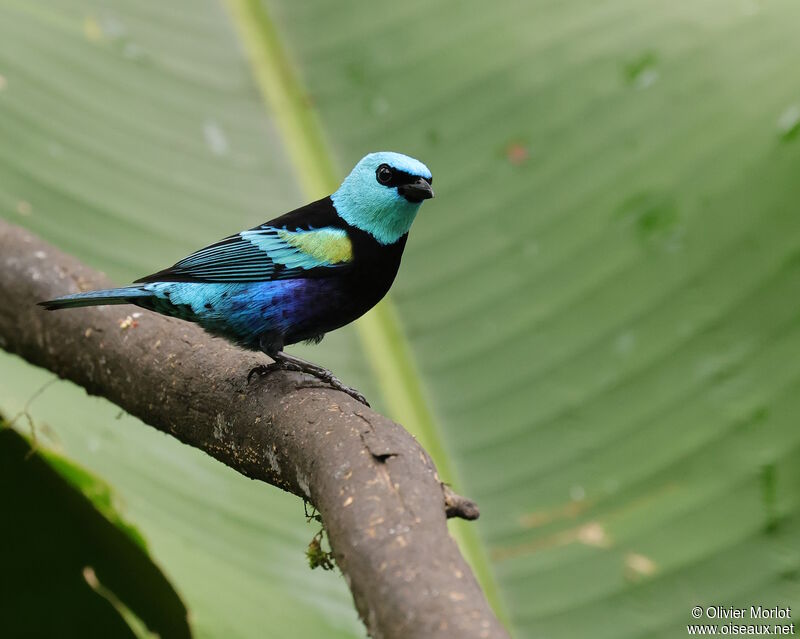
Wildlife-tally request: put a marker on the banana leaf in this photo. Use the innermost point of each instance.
(595, 327)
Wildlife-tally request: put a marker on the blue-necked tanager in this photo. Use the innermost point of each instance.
(296, 277)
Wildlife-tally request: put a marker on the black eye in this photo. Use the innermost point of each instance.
(384, 174)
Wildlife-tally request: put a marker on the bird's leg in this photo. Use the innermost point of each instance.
(271, 344)
(291, 362)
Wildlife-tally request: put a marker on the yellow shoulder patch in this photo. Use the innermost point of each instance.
(329, 245)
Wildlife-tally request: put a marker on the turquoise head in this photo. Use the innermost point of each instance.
(383, 193)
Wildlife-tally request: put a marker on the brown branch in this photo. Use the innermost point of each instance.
(382, 503)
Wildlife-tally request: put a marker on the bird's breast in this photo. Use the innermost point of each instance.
(337, 300)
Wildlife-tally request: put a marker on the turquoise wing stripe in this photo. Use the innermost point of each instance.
(267, 253)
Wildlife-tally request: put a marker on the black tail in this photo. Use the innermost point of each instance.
(125, 295)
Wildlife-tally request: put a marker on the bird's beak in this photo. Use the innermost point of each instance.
(416, 191)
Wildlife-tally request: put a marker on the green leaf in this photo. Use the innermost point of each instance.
(601, 301)
(58, 548)
(95, 490)
(595, 327)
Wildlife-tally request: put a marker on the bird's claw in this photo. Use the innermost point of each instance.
(337, 385)
(323, 375)
(262, 370)
(328, 378)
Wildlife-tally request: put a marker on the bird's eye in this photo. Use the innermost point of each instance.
(384, 174)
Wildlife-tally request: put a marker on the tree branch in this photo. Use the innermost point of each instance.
(382, 503)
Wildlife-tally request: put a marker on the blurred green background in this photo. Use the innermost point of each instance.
(595, 329)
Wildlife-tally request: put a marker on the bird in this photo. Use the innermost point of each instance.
(295, 277)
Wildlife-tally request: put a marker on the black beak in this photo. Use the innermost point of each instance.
(416, 191)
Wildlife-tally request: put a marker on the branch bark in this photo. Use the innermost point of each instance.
(382, 503)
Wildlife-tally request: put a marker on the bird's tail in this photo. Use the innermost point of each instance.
(126, 295)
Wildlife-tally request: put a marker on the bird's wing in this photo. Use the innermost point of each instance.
(264, 253)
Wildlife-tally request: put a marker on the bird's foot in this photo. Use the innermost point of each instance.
(262, 370)
(335, 383)
(289, 362)
(284, 362)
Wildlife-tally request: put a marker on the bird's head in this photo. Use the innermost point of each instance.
(383, 193)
